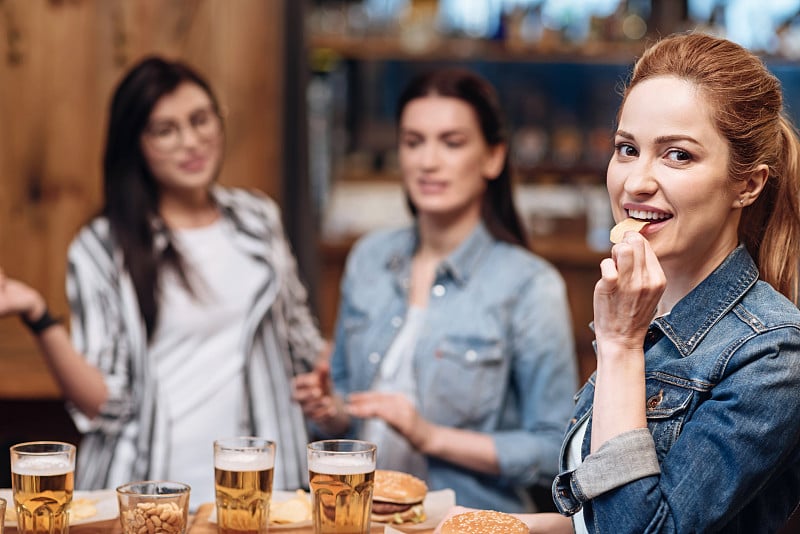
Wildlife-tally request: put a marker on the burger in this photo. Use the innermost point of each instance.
(484, 522)
(397, 497)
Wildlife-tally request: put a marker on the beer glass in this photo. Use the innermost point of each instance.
(42, 481)
(2, 514)
(341, 474)
(243, 469)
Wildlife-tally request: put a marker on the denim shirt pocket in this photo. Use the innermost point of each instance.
(470, 378)
(667, 410)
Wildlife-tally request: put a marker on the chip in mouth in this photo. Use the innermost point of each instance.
(626, 225)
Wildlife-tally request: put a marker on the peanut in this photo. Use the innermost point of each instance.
(152, 518)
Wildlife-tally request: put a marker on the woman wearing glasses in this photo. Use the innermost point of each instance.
(188, 317)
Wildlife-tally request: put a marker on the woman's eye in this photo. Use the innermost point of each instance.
(678, 155)
(199, 119)
(164, 131)
(624, 149)
(411, 143)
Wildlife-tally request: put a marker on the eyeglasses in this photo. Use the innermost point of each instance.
(168, 136)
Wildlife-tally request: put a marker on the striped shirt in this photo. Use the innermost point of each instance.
(129, 439)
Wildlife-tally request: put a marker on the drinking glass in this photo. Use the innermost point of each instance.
(243, 471)
(2, 514)
(341, 474)
(42, 482)
(153, 507)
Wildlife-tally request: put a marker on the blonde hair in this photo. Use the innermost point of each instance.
(747, 105)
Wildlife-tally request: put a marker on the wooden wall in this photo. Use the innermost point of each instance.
(59, 63)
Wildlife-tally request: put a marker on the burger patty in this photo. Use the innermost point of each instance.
(386, 508)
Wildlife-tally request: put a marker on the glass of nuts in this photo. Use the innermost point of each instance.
(154, 507)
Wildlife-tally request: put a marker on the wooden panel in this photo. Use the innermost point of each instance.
(59, 63)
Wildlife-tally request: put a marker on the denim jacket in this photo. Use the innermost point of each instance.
(495, 354)
(722, 448)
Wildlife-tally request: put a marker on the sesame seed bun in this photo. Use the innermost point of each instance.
(484, 522)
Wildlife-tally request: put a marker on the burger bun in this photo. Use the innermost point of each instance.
(397, 497)
(484, 522)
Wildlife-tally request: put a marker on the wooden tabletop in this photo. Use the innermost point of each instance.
(198, 524)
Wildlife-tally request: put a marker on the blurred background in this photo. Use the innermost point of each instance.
(308, 88)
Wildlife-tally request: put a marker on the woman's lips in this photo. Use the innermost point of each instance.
(193, 165)
(432, 186)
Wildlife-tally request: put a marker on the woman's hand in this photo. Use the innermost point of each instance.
(18, 298)
(314, 392)
(625, 301)
(627, 295)
(398, 412)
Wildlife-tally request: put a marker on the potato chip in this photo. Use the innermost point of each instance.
(294, 510)
(625, 225)
(82, 508)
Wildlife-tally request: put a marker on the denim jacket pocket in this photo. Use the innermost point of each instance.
(470, 378)
(667, 410)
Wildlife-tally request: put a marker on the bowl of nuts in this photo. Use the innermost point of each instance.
(153, 507)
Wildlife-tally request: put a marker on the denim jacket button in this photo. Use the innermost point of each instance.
(374, 357)
(397, 321)
(470, 355)
(438, 290)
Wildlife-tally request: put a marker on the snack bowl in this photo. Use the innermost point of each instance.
(154, 507)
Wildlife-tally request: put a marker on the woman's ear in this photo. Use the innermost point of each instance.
(749, 188)
(495, 158)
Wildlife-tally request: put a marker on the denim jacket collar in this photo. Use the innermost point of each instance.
(459, 265)
(716, 295)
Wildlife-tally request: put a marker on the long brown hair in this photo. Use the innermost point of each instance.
(131, 194)
(747, 108)
(498, 211)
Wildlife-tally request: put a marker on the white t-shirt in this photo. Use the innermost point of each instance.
(198, 350)
(396, 374)
(574, 460)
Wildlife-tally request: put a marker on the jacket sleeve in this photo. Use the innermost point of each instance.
(545, 376)
(103, 320)
(738, 440)
(300, 328)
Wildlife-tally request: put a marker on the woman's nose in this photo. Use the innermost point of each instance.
(641, 179)
(430, 156)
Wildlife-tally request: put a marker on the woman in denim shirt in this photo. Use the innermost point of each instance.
(453, 345)
(692, 421)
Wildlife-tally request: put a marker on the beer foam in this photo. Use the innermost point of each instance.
(42, 466)
(243, 460)
(341, 465)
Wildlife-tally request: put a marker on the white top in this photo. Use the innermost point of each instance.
(198, 349)
(574, 460)
(396, 374)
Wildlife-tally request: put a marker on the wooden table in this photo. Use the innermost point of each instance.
(198, 524)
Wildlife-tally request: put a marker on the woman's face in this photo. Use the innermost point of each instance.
(182, 142)
(670, 167)
(444, 158)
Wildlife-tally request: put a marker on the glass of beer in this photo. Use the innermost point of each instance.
(42, 482)
(243, 469)
(341, 475)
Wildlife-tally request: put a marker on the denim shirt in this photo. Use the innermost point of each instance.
(722, 449)
(496, 353)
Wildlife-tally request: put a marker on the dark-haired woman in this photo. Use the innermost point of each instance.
(453, 344)
(188, 318)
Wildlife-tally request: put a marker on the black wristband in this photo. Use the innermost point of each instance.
(42, 323)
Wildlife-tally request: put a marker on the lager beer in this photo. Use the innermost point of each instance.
(341, 485)
(42, 478)
(243, 471)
